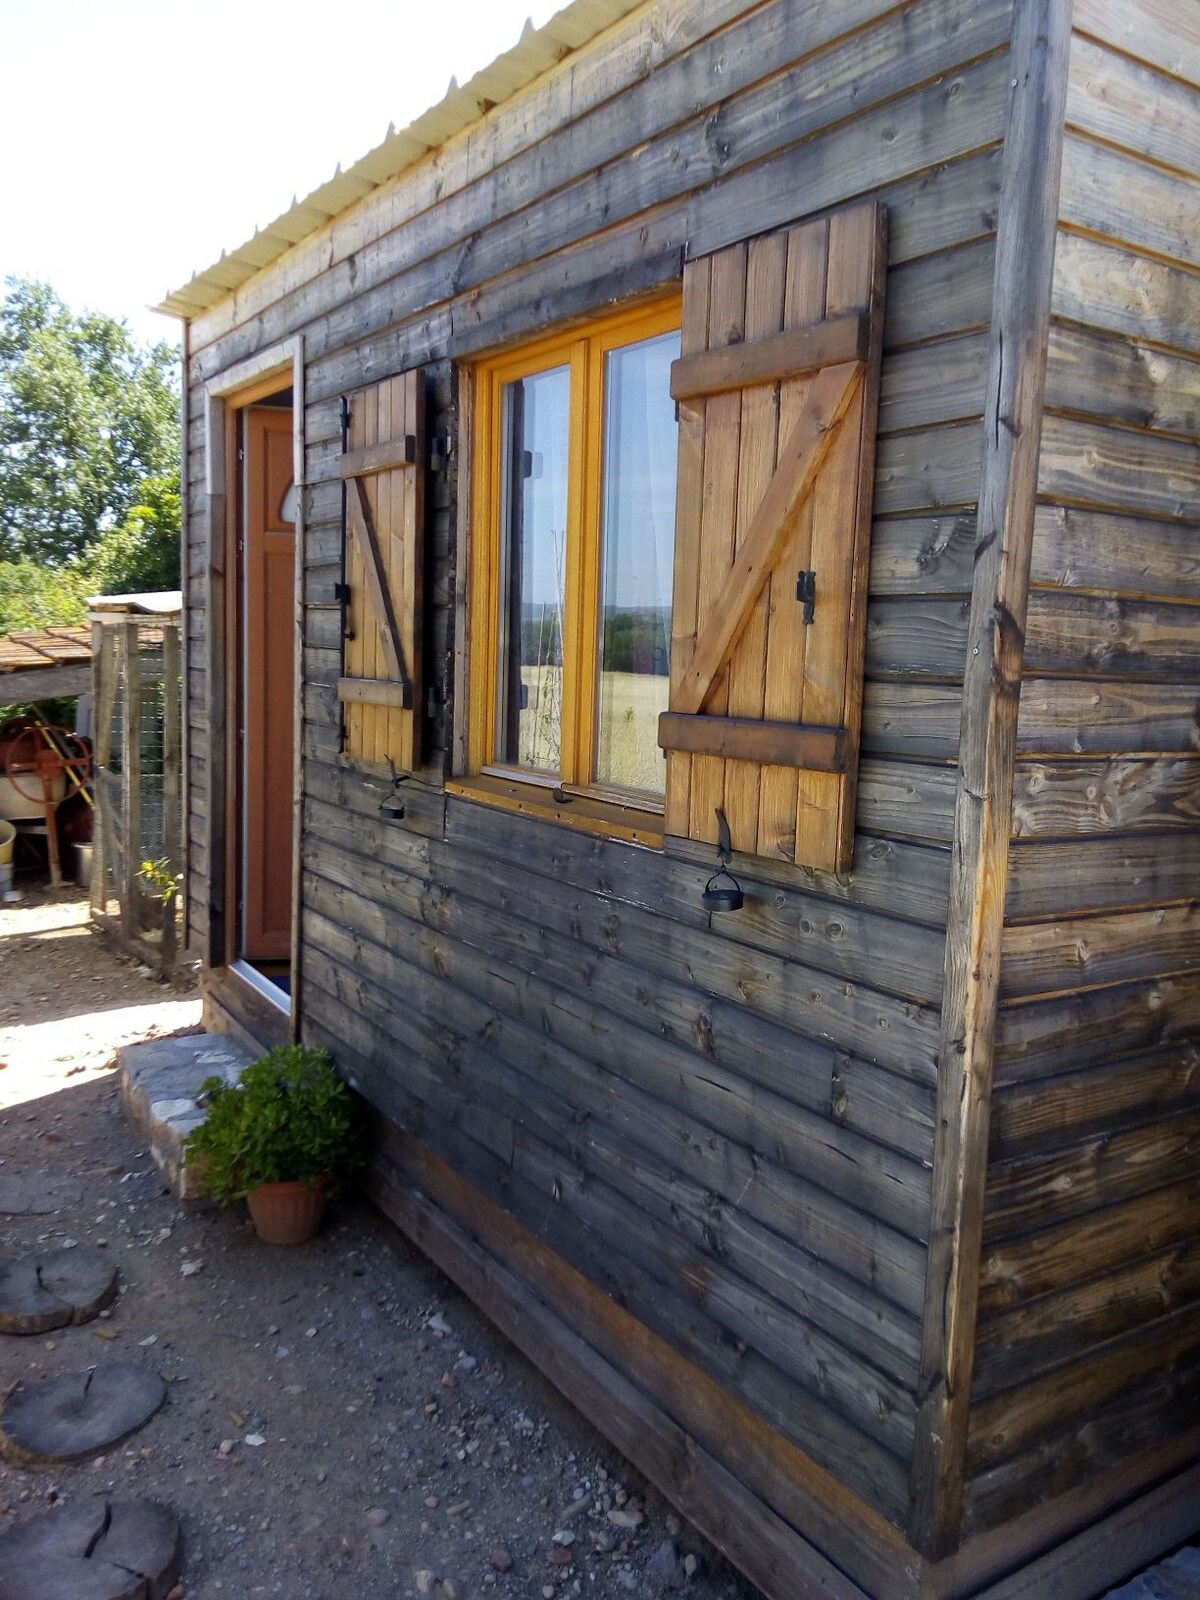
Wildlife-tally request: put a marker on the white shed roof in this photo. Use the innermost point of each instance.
(536, 51)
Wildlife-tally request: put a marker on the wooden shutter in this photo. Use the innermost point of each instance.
(777, 386)
(383, 469)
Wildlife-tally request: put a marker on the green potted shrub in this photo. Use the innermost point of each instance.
(283, 1137)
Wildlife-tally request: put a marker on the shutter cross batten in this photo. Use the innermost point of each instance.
(783, 355)
(778, 384)
(384, 535)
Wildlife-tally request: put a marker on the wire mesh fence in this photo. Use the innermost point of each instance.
(138, 771)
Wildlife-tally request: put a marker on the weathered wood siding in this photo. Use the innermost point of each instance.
(725, 1125)
(1088, 1347)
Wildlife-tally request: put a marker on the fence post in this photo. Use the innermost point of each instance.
(131, 781)
(172, 735)
(102, 703)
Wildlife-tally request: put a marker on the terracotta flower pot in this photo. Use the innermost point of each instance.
(287, 1213)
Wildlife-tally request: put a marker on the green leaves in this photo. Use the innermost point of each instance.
(159, 880)
(289, 1118)
(88, 426)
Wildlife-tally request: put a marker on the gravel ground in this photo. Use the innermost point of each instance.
(340, 1421)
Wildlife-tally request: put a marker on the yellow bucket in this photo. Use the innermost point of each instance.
(7, 834)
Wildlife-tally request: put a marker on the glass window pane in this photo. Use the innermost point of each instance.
(638, 534)
(533, 576)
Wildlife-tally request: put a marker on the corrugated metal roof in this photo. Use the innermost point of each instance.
(535, 52)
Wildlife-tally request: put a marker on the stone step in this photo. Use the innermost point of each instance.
(160, 1083)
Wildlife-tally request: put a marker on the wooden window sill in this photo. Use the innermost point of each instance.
(603, 817)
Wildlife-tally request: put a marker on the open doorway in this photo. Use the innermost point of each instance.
(263, 760)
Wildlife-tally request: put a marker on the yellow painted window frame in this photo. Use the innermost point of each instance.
(622, 813)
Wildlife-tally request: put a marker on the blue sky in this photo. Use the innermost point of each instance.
(142, 137)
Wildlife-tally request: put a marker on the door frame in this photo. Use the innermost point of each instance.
(238, 386)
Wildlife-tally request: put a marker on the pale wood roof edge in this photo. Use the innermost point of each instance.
(164, 603)
(537, 49)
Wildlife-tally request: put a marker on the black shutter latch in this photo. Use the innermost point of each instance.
(806, 593)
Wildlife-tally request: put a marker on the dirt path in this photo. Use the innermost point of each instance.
(406, 1448)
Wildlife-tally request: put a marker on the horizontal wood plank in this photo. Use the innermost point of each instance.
(1109, 637)
(1129, 104)
(1144, 1421)
(770, 743)
(1068, 799)
(944, 293)
(1061, 716)
(1010, 1422)
(1045, 957)
(45, 683)
(1048, 1114)
(905, 798)
(1100, 284)
(1041, 1038)
(911, 720)
(923, 555)
(1048, 881)
(1021, 1344)
(1117, 196)
(918, 637)
(791, 354)
(923, 387)
(1159, 32)
(1048, 1261)
(1136, 557)
(1148, 475)
(1096, 375)
(375, 692)
(1040, 1190)
(930, 470)
(385, 456)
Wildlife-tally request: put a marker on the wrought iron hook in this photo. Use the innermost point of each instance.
(723, 892)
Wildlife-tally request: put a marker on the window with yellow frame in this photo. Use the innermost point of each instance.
(573, 535)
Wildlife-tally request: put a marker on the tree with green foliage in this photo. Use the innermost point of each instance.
(89, 459)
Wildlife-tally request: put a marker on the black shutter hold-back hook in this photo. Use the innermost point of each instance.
(391, 807)
(723, 892)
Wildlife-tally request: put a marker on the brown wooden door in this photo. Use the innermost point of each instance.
(269, 680)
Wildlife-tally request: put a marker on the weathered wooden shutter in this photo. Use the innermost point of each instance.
(383, 469)
(777, 386)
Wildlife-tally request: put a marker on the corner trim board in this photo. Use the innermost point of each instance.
(1016, 377)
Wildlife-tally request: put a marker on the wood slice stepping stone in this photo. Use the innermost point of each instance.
(55, 1289)
(107, 1550)
(77, 1414)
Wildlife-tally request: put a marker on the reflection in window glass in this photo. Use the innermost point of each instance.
(638, 543)
(533, 578)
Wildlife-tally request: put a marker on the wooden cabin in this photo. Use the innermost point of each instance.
(737, 466)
